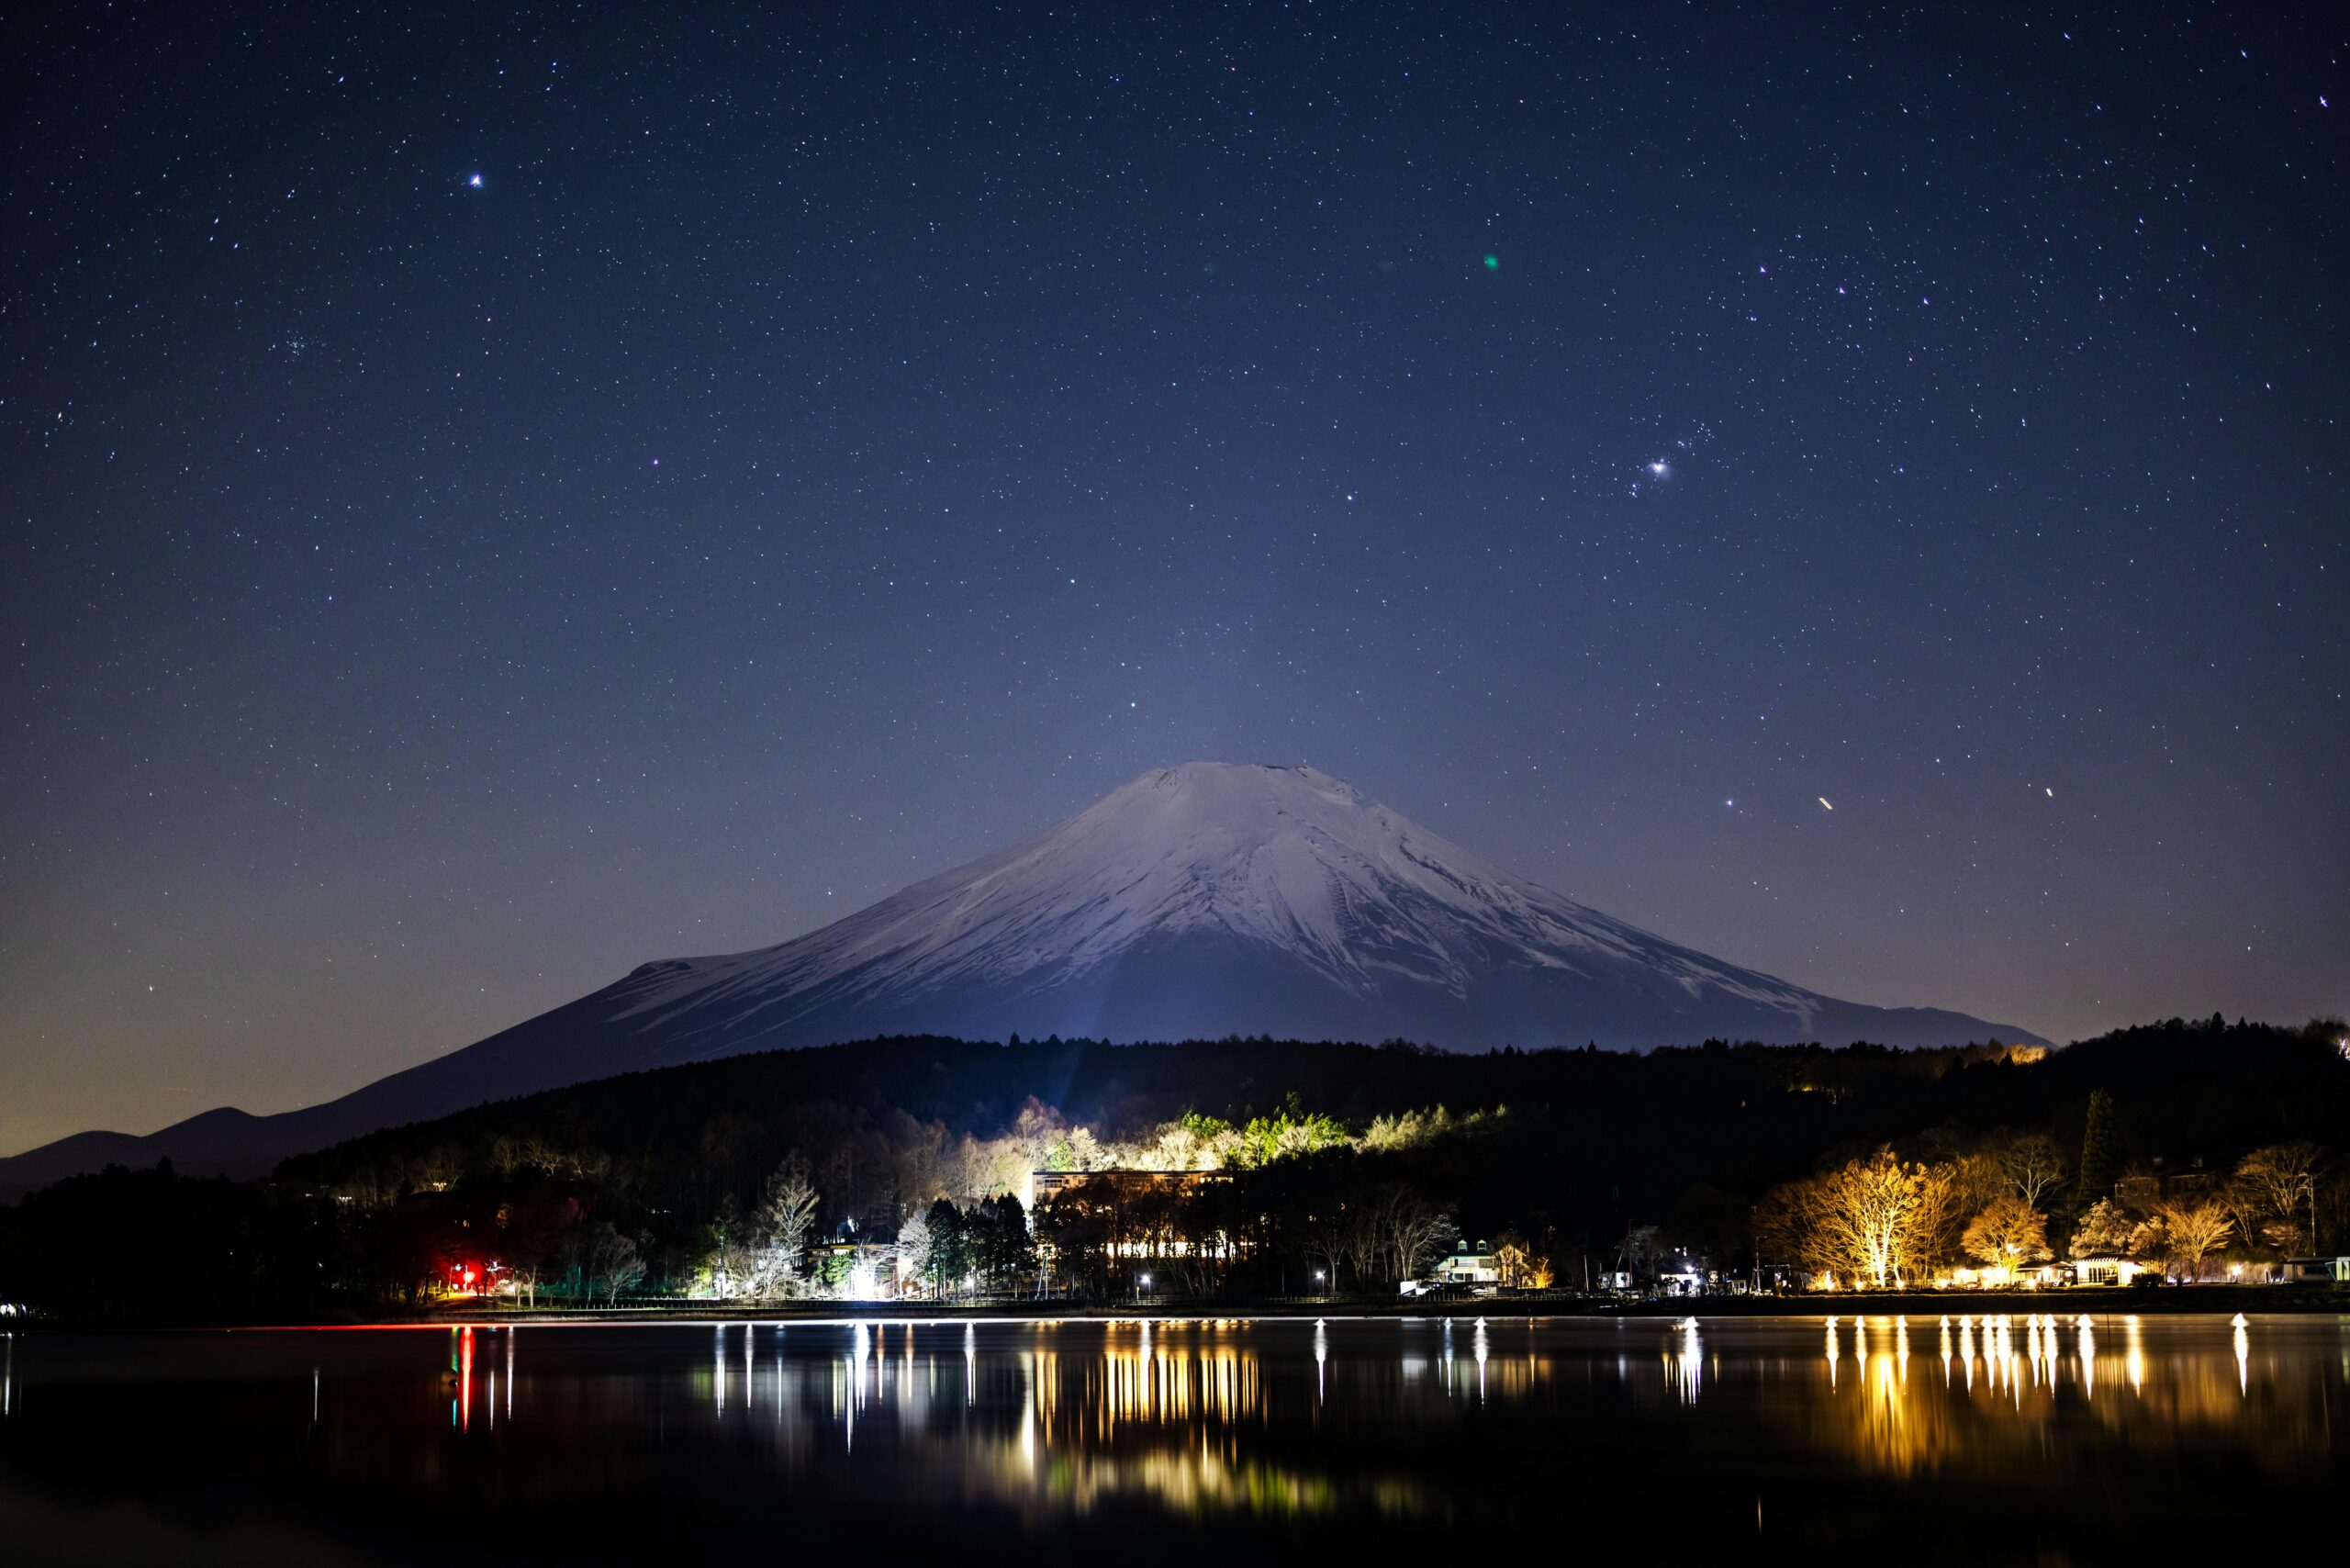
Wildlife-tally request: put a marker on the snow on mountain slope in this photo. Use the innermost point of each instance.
(1373, 917)
(1196, 901)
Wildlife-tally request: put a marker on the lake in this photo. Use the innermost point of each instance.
(2060, 1438)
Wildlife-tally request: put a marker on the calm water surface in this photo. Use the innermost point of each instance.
(2033, 1439)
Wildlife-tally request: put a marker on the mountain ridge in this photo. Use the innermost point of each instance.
(1194, 902)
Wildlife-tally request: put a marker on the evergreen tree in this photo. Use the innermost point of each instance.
(1007, 1250)
(950, 1252)
(2100, 1157)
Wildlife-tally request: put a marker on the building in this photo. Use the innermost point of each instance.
(1994, 1276)
(1130, 1215)
(2143, 1188)
(1680, 1275)
(2316, 1272)
(1049, 1184)
(1470, 1264)
(2103, 1270)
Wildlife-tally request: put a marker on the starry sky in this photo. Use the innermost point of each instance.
(494, 496)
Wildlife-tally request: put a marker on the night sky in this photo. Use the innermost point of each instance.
(494, 499)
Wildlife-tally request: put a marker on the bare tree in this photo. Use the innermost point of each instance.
(779, 1229)
(918, 1160)
(1359, 1235)
(914, 1247)
(439, 1169)
(1786, 1228)
(2034, 1167)
(2275, 1192)
(1409, 1231)
(613, 1262)
(1323, 1247)
(523, 1278)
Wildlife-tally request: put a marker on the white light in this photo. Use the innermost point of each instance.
(475, 182)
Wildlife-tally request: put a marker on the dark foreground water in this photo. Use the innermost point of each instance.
(2041, 1438)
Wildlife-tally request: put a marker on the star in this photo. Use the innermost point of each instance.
(473, 181)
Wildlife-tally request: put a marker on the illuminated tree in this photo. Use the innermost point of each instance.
(1190, 1142)
(2105, 1230)
(913, 1246)
(778, 1230)
(2182, 1235)
(1976, 1180)
(1288, 1133)
(1875, 1220)
(1518, 1266)
(2008, 1234)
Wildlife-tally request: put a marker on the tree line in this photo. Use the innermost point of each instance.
(2013, 1202)
(1335, 1167)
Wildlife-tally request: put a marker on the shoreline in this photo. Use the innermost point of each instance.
(2093, 1301)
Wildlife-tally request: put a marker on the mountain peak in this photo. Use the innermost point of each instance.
(1198, 901)
(1209, 898)
(1230, 786)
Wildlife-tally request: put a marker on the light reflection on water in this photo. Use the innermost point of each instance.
(1405, 1422)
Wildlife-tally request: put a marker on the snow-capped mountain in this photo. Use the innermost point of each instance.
(1210, 898)
(1199, 901)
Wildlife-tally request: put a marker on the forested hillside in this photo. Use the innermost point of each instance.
(693, 1180)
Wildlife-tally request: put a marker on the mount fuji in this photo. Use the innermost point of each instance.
(1194, 902)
